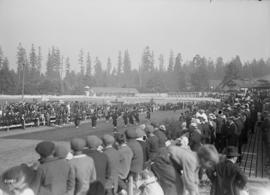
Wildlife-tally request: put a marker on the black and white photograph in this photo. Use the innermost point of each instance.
(134, 97)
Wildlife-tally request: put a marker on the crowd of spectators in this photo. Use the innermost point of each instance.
(146, 160)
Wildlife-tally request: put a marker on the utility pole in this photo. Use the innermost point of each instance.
(23, 81)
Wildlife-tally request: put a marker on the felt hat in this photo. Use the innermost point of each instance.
(108, 139)
(149, 129)
(60, 151)
(93, 141)
(140, 132)
(77, 144)
(45, 148)
(231, 151)
(131, 133)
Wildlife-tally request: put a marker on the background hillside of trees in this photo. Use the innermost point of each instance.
(155, 74)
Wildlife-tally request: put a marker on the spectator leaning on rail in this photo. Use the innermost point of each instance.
(226, 177)
(206, 157)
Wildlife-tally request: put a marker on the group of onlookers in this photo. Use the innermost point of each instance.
(145, 160)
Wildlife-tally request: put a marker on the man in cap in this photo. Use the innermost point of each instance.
(83, 166)
(54, 176)
(126, 156)
(114, 163)
(227, 178)
(101, 162)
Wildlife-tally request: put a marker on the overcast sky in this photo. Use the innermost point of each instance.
(103, 27)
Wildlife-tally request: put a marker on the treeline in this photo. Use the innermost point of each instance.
(155, 74)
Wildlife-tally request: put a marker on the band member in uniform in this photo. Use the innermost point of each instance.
(114, 118)
(94, 119)
(148, 114)
(77, 114)
(125, 117)
(130, 117)
(136, 115)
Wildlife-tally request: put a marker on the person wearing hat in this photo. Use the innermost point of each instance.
(94, 119)
(136, 165)
(142, 139)
(191, 162)
(227, 178)
(125, 117)
(230, 130)
(220, 133)
(153, 141)
(126, 156)
(113, 155)
(61, 152)
(100, 159)
(195, 137)
(54, 176)
(160, 133)
(83, 166)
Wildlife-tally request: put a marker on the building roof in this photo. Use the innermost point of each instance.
(114, 90)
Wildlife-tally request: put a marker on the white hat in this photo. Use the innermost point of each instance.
(162, 127)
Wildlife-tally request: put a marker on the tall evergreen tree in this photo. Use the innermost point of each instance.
(39, 60)
(119, 63)
(67, 66)
(49, 66)
(98, 67)
(178, 63)
(109, 66)
(21, 58)
(33, 59)
(147, 60)
(161, 63)
(81, 62)
(7, 80)
(1, 57)
(57, 58)
(127, 63)
(88, 65)
(171, 62)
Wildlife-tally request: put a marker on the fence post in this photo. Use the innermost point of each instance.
(130, 185)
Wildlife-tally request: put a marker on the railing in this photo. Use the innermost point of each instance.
(29, 124)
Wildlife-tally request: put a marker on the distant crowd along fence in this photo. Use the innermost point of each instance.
(28, 124)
